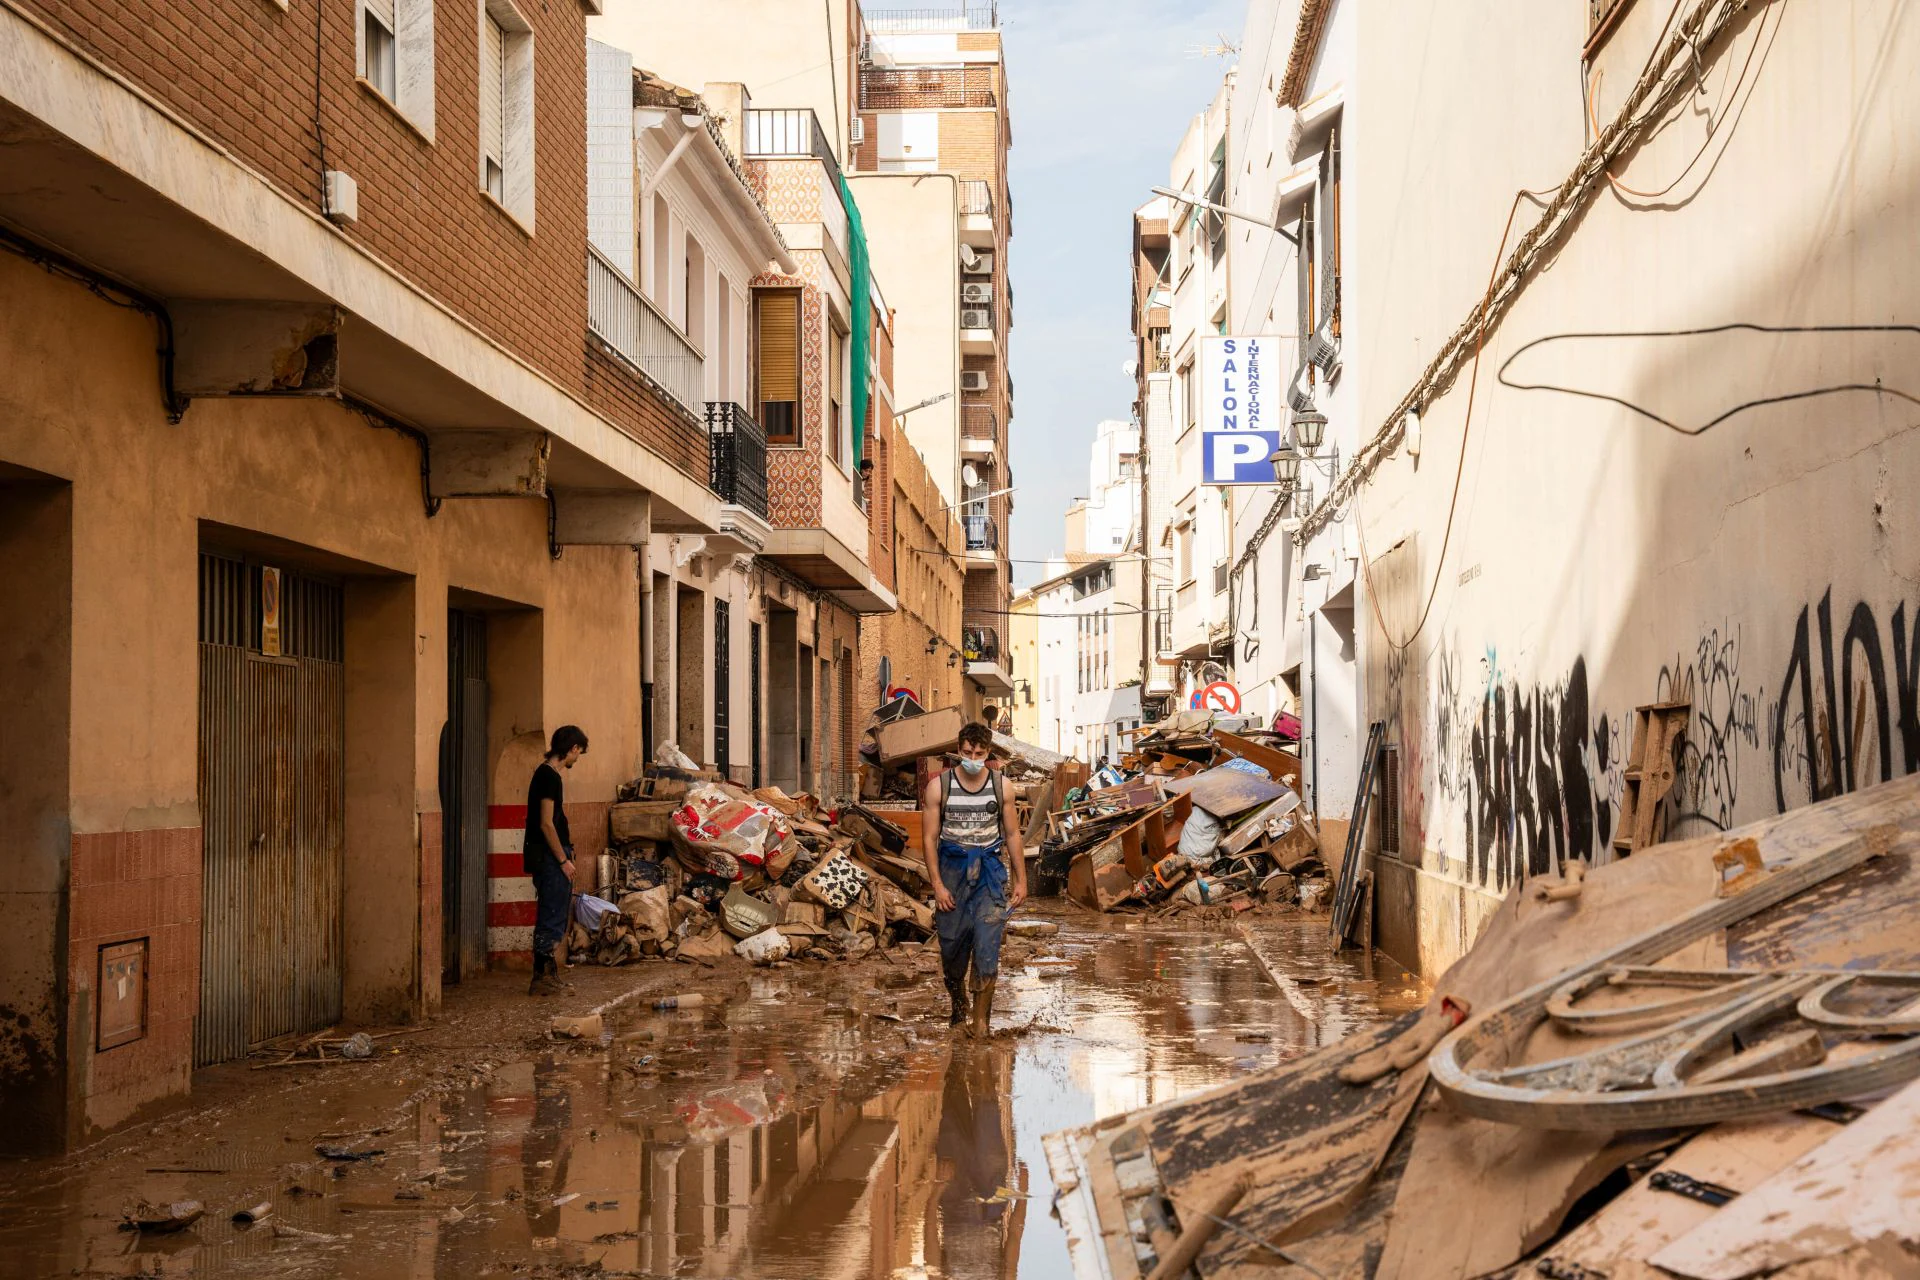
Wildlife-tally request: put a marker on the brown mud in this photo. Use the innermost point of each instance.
(807, 1121)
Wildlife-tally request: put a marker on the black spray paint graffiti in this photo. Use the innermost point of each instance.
(1537, 782)
(1835, 737)
(1725, 720)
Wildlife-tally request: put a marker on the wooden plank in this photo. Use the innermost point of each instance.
(1860, 1184)
(1641, 1221)
(1225, 792)
(1279, 764)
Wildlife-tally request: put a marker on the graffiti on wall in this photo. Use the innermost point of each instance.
(1723, 730)
(1832, 737)
(1536, 769)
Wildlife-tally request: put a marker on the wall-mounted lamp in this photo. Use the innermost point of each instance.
(1309, 429)
(933, 642)
(1286, 467)
(1313, 573)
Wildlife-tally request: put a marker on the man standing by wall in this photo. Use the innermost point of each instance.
(548, 855)
(971, 839)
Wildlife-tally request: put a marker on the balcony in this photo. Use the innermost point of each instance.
(986, 664)
(979, 431)
(952, 17)
(983, 541)
(790, 133)
(621, 317)
(976, 213)
(737, 457)
(927, 88)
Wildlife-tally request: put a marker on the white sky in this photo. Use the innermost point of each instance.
(1101, 92)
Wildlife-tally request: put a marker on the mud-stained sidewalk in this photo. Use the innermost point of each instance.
(804, 1122)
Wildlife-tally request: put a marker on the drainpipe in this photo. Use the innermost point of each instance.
(673, 157)
(1313, 699)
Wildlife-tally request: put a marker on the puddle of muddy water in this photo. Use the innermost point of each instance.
(805, 1130)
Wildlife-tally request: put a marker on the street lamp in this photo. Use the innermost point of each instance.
(1309, 429)
(1286, 468)
(1201, 202)
(901, 413)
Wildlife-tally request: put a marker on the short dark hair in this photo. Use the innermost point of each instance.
(566, 738)
(974, 734)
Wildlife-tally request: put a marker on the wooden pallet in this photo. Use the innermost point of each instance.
(1657, 730)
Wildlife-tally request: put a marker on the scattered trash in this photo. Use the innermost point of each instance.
(257, 1213)
(160, 1219)
(358, 1045)
(587, 1027)
(568, 1198)
(281, 1231)
(333, 1151)
(1030, 928)
(766, 948)
(692, 1000)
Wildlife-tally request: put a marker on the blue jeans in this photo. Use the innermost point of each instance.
(553, 895)
(977, 879)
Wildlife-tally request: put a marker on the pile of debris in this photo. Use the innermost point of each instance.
(1194, 815)
(1697, 1061)
(698, 869)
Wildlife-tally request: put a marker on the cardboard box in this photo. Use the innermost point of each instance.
(921, 735)
(642, 820)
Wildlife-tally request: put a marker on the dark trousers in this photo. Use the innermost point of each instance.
(553, 896)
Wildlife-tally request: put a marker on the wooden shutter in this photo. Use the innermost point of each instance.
(780, 346)
(493, 65)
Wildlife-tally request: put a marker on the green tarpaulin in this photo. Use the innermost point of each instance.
(861, 317)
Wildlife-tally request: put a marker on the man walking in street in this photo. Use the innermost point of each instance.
(547, 855)
(971, 841)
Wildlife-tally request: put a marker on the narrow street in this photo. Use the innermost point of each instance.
(805, 1122)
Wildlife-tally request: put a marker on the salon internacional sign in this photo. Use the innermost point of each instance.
(1242, 405)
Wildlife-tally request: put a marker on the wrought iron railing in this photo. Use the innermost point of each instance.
(632, 326)
(982, 533)
(790, 133)
(924, 88)
(736, 457)
(950, 17)
(976, 196)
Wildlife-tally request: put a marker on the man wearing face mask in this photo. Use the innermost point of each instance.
(971, 842)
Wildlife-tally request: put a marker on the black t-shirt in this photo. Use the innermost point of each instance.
(546, 785)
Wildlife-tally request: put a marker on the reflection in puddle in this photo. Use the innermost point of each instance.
(808, 1130)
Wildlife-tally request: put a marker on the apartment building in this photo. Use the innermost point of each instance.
(324, 466)
(1511, 539)
(1196, 536)
(933, 125)
(919, 647)
(1149, 319)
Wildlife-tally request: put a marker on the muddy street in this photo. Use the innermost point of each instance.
(802, 1122)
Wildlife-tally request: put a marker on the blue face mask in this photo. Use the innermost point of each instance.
(973, 767)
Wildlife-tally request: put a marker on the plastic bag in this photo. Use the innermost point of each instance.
(1200, 837)
(765, 948)
(590, 911)
(669, 756)
(719, 827)
(736, 1106)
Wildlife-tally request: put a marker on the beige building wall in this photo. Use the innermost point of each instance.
(913, 234)
(1023, 647)
(1758, 561)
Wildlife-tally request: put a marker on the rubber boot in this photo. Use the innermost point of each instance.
(981, 1026)
(955, 977)
(544, 982)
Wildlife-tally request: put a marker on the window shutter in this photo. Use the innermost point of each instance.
(383, 10)
(493, 63)
(780, 347)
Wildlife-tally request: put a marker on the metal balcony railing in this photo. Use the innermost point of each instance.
(980, 644)
(623, 318)
(982, 533)
(925, 88)
(736, 457)
(950, 17)
(790, 133)
(978, 423)
(976, 197)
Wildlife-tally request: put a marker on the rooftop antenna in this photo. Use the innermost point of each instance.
(1223, 47)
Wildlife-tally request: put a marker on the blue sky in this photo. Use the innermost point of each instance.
(1101, 91)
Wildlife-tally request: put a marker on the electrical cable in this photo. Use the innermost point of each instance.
(1735, 326)
(319, 129)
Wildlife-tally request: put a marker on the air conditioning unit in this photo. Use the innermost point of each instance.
(976, 319)
(973, 379)
(980, 295)
(857, 130)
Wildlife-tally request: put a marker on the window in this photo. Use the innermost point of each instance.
(393, 56)
(693, 300)
(662, 257)
(723, 337)
(493, 108)
(777, 368)
(377, 48)
(1216, 223)
(1187, 415)
(505, 162)
(836, 382)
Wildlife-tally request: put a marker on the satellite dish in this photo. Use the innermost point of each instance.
(970, 475)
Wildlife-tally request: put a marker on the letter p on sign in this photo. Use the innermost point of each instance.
(1239, 457)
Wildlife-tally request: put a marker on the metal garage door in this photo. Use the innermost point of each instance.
(272, 783)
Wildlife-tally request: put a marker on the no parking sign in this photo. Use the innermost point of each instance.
(1218, 696)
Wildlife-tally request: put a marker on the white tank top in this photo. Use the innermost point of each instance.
(970, 818)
